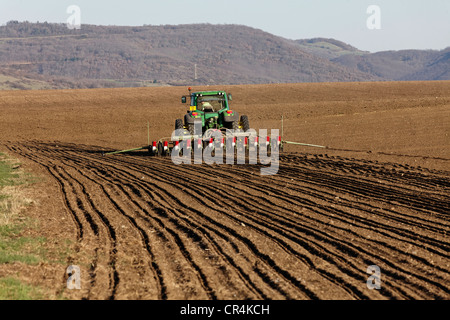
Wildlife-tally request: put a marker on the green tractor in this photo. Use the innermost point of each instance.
(213, 110)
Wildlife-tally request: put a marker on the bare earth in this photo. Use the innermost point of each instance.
(144, 228)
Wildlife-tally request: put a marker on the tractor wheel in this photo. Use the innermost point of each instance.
(178, 124)
(235, 126)
(244, 123)
(191, 128)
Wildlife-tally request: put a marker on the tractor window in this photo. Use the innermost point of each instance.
(210, 103)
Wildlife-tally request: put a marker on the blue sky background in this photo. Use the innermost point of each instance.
(405, 24)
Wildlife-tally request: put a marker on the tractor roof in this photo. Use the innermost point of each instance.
(208, 92)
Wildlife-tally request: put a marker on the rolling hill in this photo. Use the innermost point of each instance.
(401, 65)
(38, 55)
(328, 48)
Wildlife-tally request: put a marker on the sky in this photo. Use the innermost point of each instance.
(392, 25)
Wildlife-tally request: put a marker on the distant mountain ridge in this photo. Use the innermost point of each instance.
(47, 55)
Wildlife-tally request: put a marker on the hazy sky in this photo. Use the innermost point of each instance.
(405, 24)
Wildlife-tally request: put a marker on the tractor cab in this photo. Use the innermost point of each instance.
(211, 101)
(211, 108)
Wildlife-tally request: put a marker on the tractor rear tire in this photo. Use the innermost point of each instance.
(191, 128)
(244, 123)
(179, 124)
(235, 126)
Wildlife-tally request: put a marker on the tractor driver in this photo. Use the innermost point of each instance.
(207, 105)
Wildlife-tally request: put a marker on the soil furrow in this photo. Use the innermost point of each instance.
(330, 218)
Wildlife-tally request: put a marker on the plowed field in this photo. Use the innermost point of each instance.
(145, 228)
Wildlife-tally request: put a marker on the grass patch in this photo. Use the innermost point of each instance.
(7, 175)
(14, 247)
(14, 289)
(19, 250)
(12, 197)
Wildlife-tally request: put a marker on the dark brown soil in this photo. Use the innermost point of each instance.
(144, 228)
